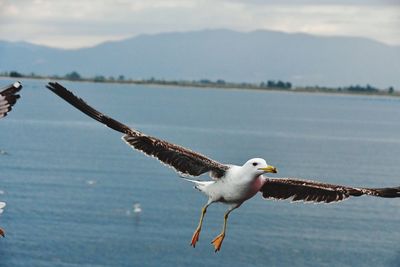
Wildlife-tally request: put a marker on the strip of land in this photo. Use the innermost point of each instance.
(270, 85)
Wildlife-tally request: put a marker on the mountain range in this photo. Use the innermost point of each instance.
(255, 56)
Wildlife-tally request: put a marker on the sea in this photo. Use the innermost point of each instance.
(71, 184)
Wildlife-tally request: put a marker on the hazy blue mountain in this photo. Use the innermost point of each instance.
(220, 54)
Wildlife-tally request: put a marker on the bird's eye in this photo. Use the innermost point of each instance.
(255, 163)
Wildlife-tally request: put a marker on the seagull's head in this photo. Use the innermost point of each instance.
(259, 166)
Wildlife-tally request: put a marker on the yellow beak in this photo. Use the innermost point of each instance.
(270, 169)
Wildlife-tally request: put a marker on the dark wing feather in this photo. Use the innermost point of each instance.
(183, 160)
(310, 191)
(8, 98)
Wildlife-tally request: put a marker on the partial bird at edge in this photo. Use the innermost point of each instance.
(8, 98)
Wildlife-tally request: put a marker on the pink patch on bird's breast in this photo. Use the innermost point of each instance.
(258, 183)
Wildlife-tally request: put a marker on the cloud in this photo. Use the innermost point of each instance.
(321, 2)
(83, 23)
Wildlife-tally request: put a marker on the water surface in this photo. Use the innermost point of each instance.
(69, 181)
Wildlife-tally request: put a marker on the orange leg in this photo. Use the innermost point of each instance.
(2, 232)
(196, 233)
(217, 242)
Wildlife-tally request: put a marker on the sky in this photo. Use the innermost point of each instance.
(83, 23)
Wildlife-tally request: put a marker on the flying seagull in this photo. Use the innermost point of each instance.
(8, 97)
(230, 184)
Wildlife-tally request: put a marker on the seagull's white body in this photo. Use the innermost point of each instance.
(239, 184)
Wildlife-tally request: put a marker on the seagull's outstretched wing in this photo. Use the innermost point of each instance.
(310, 191)
(8, 97)
(183, 160)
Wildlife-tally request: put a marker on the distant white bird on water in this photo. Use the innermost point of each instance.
(91, 182)
(8, 98)
(136, 208)
(231, 184)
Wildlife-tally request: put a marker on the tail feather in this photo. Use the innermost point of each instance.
(199, 185)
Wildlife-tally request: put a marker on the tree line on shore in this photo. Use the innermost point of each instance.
(269, 84)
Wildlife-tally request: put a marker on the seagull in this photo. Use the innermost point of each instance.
(230, 184)
(8, 98)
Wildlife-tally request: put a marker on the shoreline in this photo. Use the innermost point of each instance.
(226, 86)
